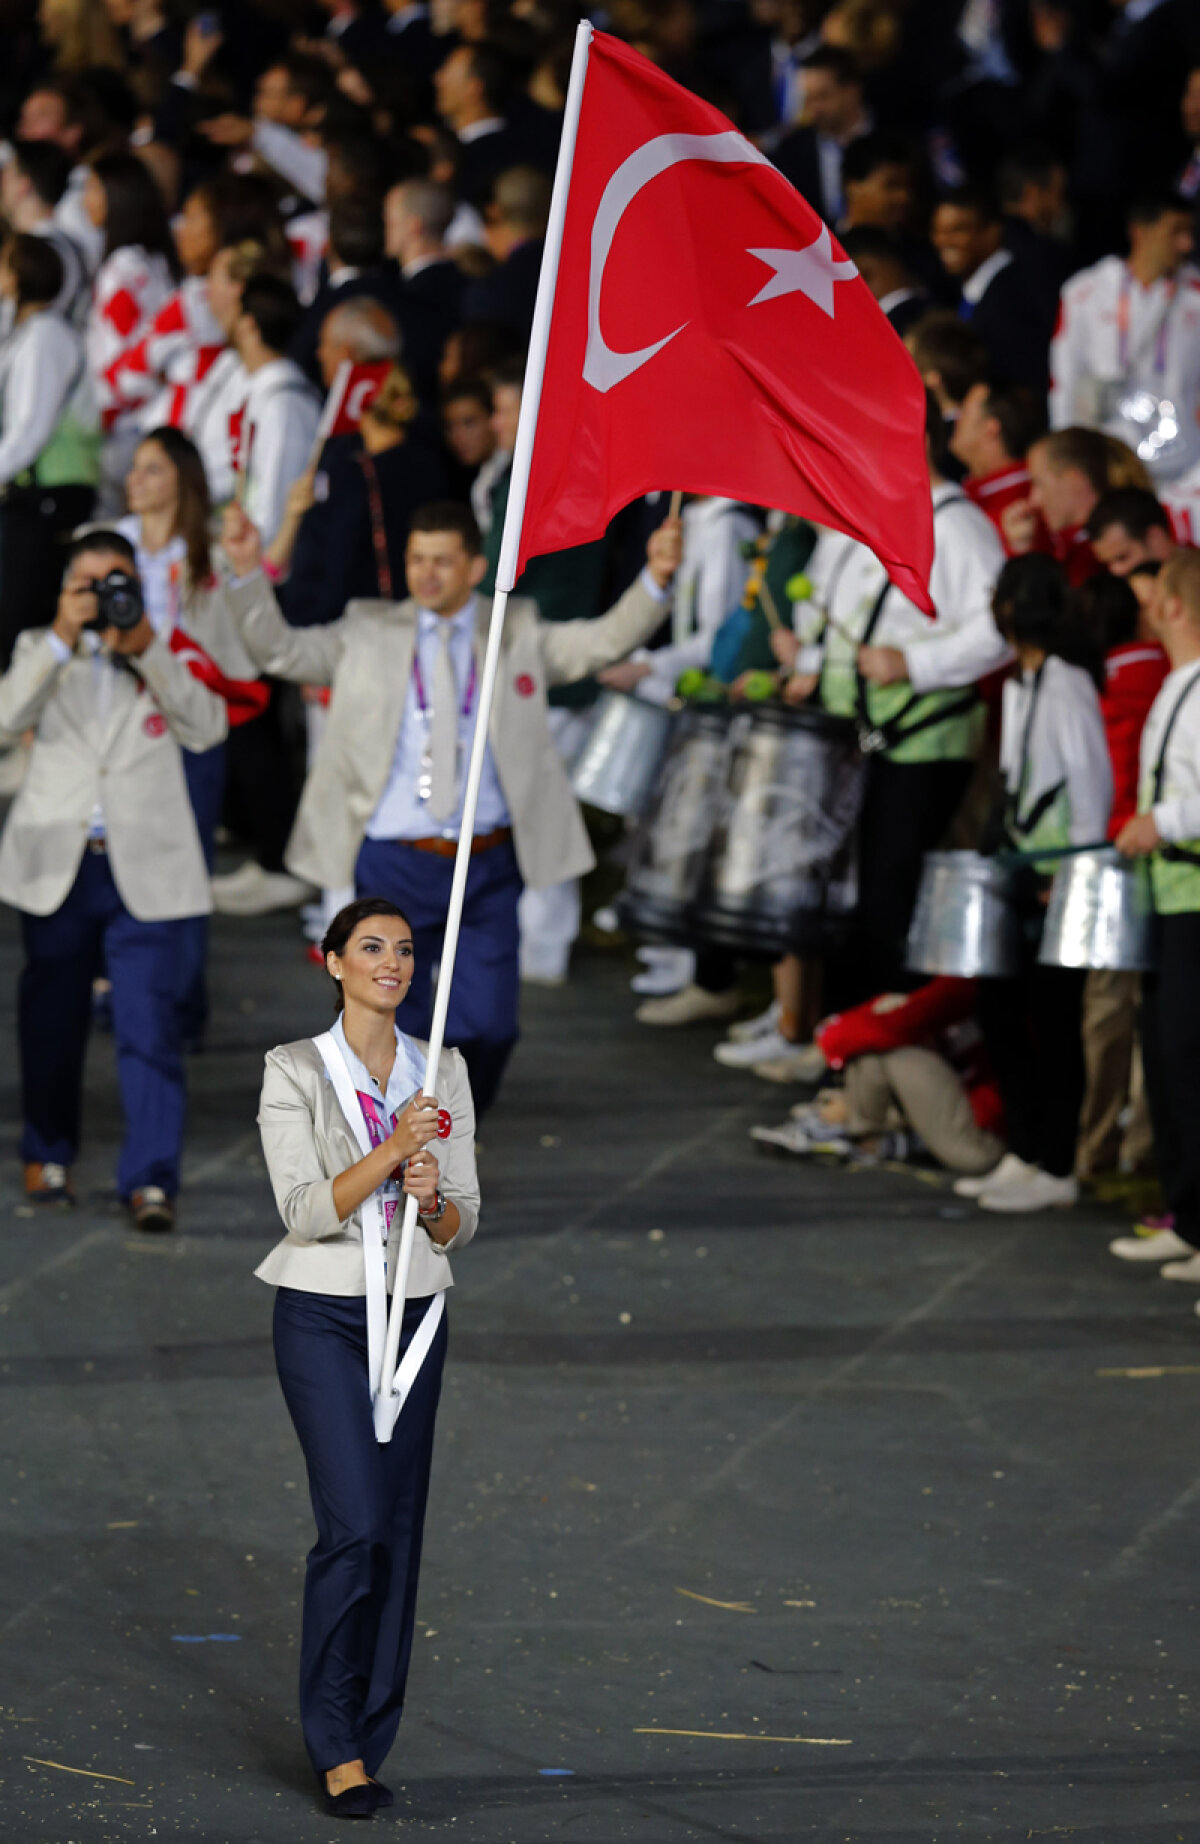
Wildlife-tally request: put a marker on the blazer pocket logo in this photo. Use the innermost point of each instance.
(526, 686)
(155, 725)
(445, 1124)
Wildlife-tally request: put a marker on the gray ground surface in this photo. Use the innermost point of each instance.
(851, 1482)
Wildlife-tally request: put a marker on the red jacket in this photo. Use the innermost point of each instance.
(1134, 672)
(939, 1015)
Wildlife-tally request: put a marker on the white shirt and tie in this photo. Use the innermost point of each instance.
(424, 792)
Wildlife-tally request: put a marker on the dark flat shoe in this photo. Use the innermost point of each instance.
(355, 1802)
(384, 1796)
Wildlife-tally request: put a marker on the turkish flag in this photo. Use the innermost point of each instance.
(354, 389)
(708, 334)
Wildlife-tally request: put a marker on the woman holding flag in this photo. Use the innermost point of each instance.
(346, 1134)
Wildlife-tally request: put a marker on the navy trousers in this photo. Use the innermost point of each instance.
(64, 952)
(360, 1587)
(204, 771)
(485, 997)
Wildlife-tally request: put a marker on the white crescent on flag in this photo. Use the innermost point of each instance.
(813, 270)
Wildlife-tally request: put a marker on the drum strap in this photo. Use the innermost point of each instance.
(874, 738)
(1177, 854)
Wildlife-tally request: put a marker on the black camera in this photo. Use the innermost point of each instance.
(119, 601)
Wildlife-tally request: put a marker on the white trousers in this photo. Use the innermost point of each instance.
(550, 918)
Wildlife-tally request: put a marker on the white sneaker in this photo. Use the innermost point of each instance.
(1009, 1167)
(744, 1053)
(1188, 1270)
(1039, 1190)
(765, 1024)
(803, 1136)
(664, 970)
(251, 891)
(1163, 1245)
(802, 1063)
(691, 1006)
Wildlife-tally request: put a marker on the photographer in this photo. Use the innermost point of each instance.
(102, 858)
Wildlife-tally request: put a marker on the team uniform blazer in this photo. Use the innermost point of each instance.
(127, 761)
(367, 658)
(307, 1142)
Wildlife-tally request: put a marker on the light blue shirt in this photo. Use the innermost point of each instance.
(408, 1070)
(401, 813)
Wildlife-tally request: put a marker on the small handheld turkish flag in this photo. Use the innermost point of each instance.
(354, 390)
(706, 332)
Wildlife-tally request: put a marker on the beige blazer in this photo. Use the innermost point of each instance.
(116, 744)
(367, 656)
(307, 1142)
(208, 618)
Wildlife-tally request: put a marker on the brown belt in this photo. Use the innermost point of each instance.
(446, 848)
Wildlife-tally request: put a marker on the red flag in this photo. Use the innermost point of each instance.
(354, 390)
(707, 333)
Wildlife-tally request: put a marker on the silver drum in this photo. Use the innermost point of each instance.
(1099, 915)
(782, 869)
(670, 847)
(618, 763)
(964, 923)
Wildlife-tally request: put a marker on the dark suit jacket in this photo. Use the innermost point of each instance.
(439, 289)
(798, 160)
(334, 559)
(481, 162)
(906, 313)
(1016, 323)
(507, 295)
(421, 329)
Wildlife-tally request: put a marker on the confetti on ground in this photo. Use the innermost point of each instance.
(87, 1772)
(1155, 1370)
(714, 1735)
(728, 1606)
(557, 1773)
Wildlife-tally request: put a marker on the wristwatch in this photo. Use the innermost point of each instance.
(435, 1216)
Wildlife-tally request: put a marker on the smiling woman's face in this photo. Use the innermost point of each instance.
(375, 968)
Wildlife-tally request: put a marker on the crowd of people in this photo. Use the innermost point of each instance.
(268, 280)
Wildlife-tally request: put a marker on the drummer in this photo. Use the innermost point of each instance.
(1167, 831)
(863, 650)
(1057, 794)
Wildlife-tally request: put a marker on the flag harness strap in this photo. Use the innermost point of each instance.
(385, 1409)
(874, 738)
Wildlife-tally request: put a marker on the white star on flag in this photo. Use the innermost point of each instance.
(812, 271)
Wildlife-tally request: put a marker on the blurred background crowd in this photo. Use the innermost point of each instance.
(284, 257)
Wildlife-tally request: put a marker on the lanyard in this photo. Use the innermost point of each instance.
(383, 563)
(419, 683)
(1161, 334)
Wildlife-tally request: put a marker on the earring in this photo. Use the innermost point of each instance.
(337, 976)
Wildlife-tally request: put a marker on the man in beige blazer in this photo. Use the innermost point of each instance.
(102, 858)
(383, 800)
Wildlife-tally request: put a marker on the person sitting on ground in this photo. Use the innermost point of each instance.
(916, 1079)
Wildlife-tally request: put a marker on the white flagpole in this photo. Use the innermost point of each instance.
(531, 397)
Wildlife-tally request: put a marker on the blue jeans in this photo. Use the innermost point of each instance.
(204, 771)
(484, 1000)
(360, 1584)
(63, 954)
